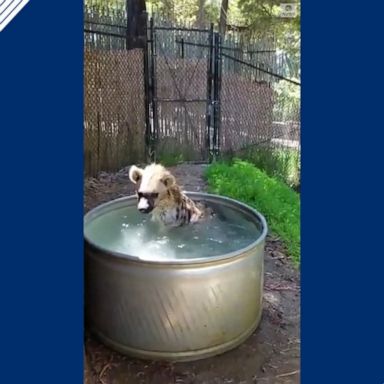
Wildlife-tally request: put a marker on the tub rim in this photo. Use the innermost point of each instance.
(201, 260)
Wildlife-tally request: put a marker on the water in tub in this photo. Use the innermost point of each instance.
(127, 231)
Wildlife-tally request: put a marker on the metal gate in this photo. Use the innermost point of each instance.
(183, 81)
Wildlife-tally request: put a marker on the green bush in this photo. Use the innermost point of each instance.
(283, 164)
(271, 197)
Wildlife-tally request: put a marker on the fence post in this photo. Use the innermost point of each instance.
(154, 133)
(217, 95)
(219, 77)
(209, 92)
(147, 95)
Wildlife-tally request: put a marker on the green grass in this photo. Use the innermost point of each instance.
(271, 197)
(169, 152)
(281, 163)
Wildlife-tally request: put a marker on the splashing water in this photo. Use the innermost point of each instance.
(127, 231)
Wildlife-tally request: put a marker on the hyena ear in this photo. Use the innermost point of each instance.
(168, 180)
(135, 174)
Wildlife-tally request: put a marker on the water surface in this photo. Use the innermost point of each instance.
(126, 230)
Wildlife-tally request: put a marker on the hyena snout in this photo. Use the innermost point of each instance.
(144, 205)
(146, 202)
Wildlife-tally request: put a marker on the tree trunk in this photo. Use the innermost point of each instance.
(200, 15)
(223, 17)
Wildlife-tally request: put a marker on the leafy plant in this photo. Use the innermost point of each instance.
(287, 105)
(275, 200)
(280, 163)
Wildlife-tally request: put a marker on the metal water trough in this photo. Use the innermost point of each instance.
(174, 310)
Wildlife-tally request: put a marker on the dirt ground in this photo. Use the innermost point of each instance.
(270, 356)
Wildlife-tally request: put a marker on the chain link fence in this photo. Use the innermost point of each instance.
(255, 113)
(252, 130)
(260, 117)
(114, 97)
(180, 75)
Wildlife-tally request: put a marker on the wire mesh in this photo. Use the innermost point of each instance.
(260, 117)
(259, 106)
(181, 93)
(114, 97)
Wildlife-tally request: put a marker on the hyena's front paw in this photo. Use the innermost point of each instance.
(195, 218)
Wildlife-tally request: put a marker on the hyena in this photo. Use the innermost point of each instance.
(159, 194)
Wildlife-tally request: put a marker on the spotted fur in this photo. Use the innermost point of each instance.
(159, 194)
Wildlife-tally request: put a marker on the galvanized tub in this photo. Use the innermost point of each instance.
(177, 310)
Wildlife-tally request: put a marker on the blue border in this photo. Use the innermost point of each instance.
(342, 193)
(41, 119)
(41, 270)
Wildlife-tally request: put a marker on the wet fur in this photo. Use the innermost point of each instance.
(171, 207)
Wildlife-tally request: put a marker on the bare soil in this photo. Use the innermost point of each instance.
(270, 356)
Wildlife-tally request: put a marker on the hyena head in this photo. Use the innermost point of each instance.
(153, 182)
